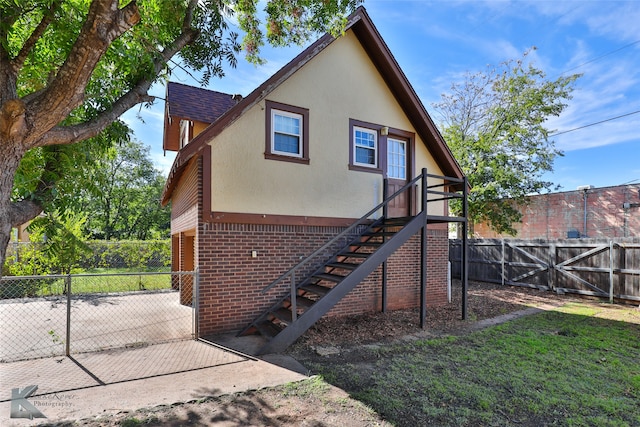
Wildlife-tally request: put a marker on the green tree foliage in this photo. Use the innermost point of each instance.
(495, 124)
(122, 191)
(56, 247)
(70, 68)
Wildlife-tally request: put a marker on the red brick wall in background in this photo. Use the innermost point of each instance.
(553, 216)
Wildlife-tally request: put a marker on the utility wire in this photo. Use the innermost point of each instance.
(601, 56)
(596, 123)
(630, 182)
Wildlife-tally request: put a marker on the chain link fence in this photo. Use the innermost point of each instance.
(58, 315)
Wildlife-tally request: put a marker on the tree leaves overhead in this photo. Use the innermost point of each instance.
(70, 68)
(495, 124)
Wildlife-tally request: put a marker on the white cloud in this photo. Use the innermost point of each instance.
(618, 20)
(607, 89)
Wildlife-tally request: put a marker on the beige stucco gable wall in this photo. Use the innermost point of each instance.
(338, 84)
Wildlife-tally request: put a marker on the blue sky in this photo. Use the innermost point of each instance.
(436, 42)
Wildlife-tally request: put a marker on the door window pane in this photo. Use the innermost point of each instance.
(396, 159)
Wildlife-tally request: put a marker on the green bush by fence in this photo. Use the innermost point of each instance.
(28, 259)
(143, 255)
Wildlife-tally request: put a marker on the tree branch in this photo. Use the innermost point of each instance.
(105, 22)
(76, 133)
(23, 211)
(138, 94)
(18, 61)
(186, 37)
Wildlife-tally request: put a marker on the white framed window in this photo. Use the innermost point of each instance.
(286, 133)
(365, 147)
(396, 159)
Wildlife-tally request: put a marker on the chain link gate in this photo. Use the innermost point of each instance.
(44, 316)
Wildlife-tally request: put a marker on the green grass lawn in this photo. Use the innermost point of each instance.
(574, 366)
(99, 280)
(103, 280)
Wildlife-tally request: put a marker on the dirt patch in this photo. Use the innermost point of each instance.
(315, 403)
(484, 301)
(310, 402)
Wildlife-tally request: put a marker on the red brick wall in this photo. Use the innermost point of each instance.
(403, 279)
(552, 216)
(231, 280)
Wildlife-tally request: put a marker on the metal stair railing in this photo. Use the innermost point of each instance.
(293, 330)
(350, 232)
(450, 190)
(345, 234)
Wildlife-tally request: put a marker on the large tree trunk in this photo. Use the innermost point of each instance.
(11, 214)
(5, 235)
(9, 161)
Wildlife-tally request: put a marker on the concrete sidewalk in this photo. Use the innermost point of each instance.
(109, 382)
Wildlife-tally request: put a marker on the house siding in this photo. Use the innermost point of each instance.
(231, 280)
(339, 84)
(184, 203)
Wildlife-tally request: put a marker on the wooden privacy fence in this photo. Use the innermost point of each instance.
(604, 268)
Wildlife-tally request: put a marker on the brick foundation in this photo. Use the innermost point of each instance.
(231, 279)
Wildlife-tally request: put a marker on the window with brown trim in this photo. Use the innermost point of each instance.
(287, 133)
(365, 146)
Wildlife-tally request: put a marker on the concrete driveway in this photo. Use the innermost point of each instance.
(36, 327)
(128, 351)
(113, 381)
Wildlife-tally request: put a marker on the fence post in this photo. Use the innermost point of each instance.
(67, 340)
(502, 262)
(611, 271)
(553, 258)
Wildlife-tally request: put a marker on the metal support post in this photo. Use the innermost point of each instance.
(385, 213)
(423, 254)
(196, 304)
(294, 299)
(465, 261)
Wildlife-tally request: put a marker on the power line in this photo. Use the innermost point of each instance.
(630, 182)
(596, 123)
(601, 56)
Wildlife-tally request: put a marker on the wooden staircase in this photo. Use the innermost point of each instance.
(315, 295)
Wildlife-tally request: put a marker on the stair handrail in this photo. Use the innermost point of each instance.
(346, 231)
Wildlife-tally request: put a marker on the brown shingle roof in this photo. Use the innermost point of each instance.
(193, 103)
